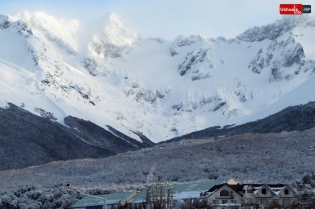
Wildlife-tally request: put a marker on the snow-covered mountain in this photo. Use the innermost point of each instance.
(106, 73)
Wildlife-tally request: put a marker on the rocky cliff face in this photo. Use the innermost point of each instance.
(280, 55)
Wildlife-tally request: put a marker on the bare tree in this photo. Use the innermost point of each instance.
(250, 204)
(274, 205)
(305, 201)
(197, 204)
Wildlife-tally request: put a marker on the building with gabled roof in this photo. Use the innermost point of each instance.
(225, 195)
(263, 194)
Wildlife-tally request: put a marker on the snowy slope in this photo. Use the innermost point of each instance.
(106, 73)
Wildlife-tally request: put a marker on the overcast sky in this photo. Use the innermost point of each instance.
(165, 18)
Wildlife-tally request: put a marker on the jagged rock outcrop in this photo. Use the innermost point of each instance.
(182, 41)
(94, 69)
(4, 23)
(194, 60)
(279, 56)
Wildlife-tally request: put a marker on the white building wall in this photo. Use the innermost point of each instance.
(216, 196)
(249, 196)
(282, 196)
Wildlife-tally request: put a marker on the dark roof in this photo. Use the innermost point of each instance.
(237, 188)
(270, 185)
(214, 188)
(276, 185)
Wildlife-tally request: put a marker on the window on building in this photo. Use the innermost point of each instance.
(286, 202)
(225, 193)
(215, 201)
(249, 191)
(264, 191)
(286, 191)
(264, 201)
(224, 201)
(233, 201)
(276, 201)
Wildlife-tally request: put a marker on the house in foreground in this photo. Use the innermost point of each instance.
(237, 195)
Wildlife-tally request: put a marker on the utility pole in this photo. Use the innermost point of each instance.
(148, 198)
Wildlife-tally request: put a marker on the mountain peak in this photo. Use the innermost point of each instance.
(26, 16)
(105, 19)
(113, 24)
(42, 20)
(110, 30)
(273, 30)
(113, 16)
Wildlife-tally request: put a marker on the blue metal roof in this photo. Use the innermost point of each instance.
(181, 191)
(111, 199)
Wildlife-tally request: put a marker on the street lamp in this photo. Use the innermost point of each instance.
(105, 201)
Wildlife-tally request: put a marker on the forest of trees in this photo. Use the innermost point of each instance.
(263, 158)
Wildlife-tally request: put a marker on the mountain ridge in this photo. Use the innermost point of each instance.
(290, 119)
(161, 89)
